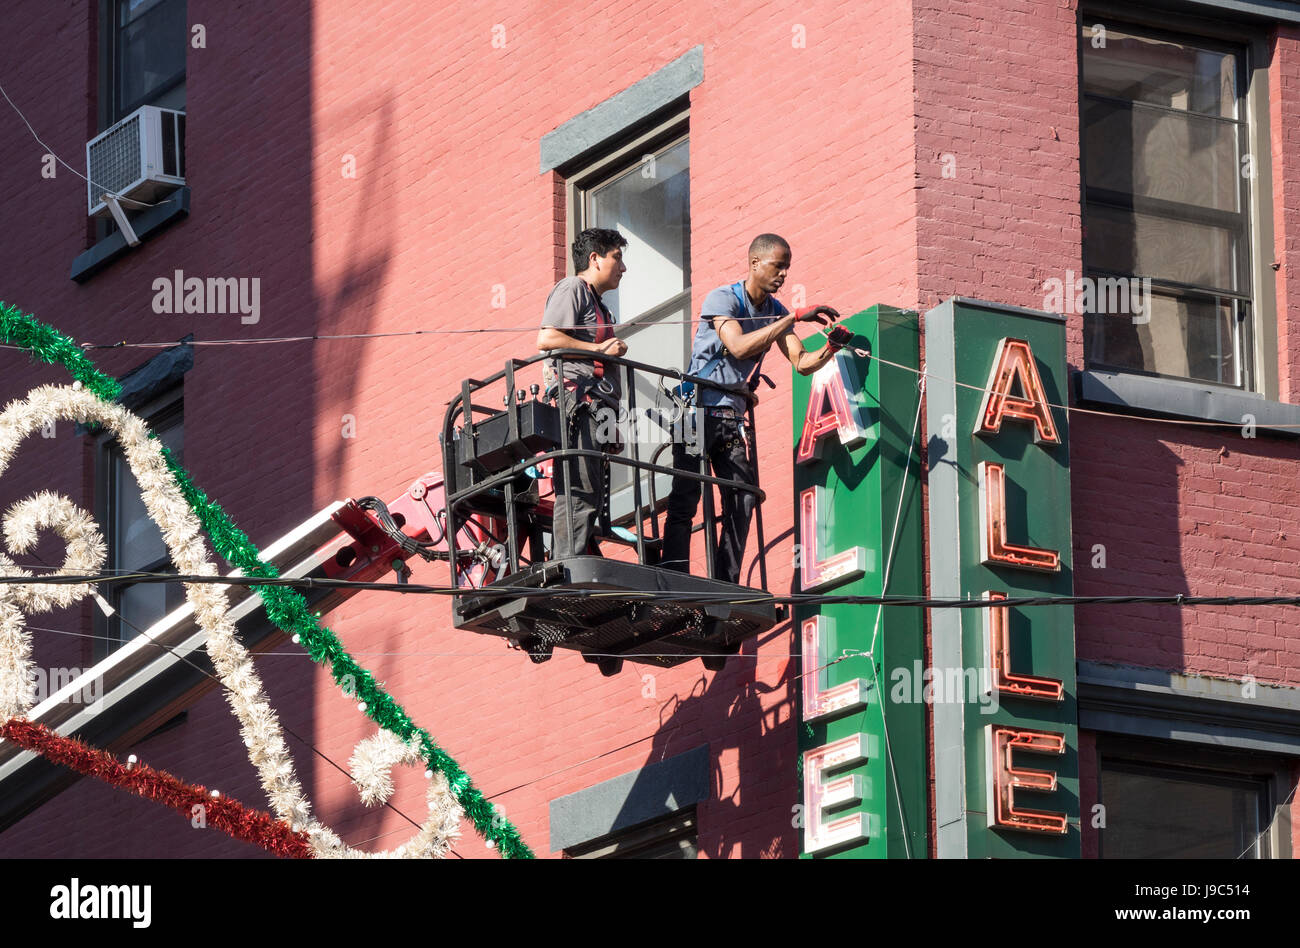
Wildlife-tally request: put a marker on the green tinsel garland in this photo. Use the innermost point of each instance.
(284, 606)
(49, 345)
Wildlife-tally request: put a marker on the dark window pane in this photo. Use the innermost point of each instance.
(1173, 815)
(671, 849)
(135, 542)
(140, 607)
(171, 164)
(1160, 72)
(1185, 338)
(151, 43)
(128, 10)
(1147, 245)
(1152, 153)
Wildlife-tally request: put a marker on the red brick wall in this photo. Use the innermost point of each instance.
(1201, 511)
(997, 90)
(813, 142)
(1284, 109)
(838, 144)
(1176, 509)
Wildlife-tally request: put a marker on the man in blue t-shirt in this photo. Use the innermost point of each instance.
(738, 324)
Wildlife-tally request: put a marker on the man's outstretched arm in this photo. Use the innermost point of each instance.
(804, 362)
(750, 345)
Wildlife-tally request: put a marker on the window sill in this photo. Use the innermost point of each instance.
(1170, 705)
(1174, 398)
(652, 792)
(146, 224)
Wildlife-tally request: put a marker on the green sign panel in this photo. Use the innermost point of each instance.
(1006, 729)
(858, 440)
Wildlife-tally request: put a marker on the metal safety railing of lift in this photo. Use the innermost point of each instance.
(480, 494)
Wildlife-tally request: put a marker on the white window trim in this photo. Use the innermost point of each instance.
(1263, 366)
(664, 134)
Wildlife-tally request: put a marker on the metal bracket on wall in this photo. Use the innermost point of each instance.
(119, 215)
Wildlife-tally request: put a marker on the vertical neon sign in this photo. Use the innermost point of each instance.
(999, 529)
(849, 470)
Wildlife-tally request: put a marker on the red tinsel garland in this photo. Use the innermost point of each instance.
(229, 816)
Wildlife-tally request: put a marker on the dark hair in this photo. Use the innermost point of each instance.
(596, 240)
(765, 242)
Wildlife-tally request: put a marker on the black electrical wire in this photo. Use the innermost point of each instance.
(686, 598)
(413, 547)
(421, 548)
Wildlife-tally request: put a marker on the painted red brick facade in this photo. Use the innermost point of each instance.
(839, 145)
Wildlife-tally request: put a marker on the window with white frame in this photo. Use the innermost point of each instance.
(1168, 173)
(642, 189)
(644, 193)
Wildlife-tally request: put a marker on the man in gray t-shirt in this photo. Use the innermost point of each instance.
(738, 324)
(575, 318)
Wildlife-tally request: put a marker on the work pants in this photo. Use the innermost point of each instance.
(583, 477)
(728, 454)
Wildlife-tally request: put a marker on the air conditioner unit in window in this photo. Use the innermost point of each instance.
(140, 159)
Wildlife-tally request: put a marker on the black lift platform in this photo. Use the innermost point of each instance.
(608, 609)
(593, 605)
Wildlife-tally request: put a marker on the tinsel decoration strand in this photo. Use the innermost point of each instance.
(259, 725)
(288, 610)
(371, 768)
(242, 685)
(22, 523)
(285, 607)
(49, 345)
(220, 812)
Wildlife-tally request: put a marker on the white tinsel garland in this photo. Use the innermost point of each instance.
(85, 555)
(371, 767)
(259, 724)
(15, 661)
